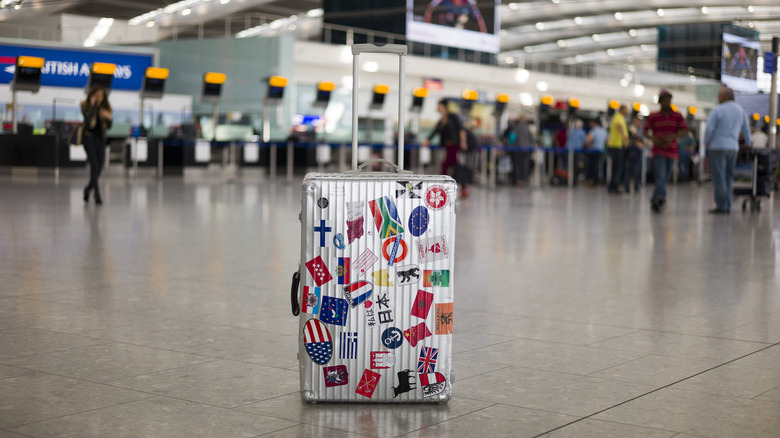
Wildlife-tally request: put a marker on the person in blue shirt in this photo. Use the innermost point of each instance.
(721, 139)
(597, 139)
(575, 139)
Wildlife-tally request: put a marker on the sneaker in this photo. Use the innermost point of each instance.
(657, 205)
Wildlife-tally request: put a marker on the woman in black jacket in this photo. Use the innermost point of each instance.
(97, 120)
(453, 137)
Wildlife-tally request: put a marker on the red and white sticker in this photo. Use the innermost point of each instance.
(436, 197)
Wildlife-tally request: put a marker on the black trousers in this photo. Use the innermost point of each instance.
(96, 156)
(618, 158)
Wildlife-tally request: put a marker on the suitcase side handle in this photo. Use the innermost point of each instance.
(296, 281)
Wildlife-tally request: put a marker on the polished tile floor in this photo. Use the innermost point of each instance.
(165, 313)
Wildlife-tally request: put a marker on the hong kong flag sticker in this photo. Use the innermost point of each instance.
(436, 197)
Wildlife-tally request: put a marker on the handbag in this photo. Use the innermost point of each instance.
(77, 136)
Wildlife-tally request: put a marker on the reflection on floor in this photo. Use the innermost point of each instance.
(165, 312)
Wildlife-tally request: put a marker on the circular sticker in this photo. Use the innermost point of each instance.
(418, 221)
(436, 197)
(323, 203)
(338, 241)
(392, 338)
(404, 249)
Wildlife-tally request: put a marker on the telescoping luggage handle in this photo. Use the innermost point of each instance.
(401, 51)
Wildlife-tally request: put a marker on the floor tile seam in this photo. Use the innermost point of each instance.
(459, 416)
(766, 392)
(668, 332)
(18, 433)
(619, 365)
(661, 388)
(82, 412)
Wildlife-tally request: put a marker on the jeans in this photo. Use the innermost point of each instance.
(618, 157)
(722, 167)
(96, 156)
(662, 168)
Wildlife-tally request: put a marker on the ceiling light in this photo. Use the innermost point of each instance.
(644, 48)
(522, 75)
(704, 10)
(150, 24)
(577, 20)
(610, 52)
(561, 43)
(632, 33)
(224, 2)
(509, 60)
(370, 66)
(751, 25)
(556, 1)
(186, 12)
(314, 13)
(618, 16)
(541, 86)
(632, 67)
(639, 90)
(578, 58)
(513, 6)
(526, 99)
(540, 26)
(528, 49)
(751, 9)
(692, 78)
(596, 37)
(660, 12)
(624, 83)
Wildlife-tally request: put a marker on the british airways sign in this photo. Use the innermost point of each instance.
(70, 68)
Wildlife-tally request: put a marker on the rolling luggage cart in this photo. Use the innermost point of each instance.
(374, 290)
(753, 178)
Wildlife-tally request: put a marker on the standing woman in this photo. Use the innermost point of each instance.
(97, 121)
(452, 136)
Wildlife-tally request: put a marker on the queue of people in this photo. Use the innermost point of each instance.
(665, 131)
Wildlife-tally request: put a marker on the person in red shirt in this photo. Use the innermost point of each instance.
(663, 128)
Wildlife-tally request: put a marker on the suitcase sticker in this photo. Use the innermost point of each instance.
(318, 342)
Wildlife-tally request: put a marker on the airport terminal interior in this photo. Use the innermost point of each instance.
(165, 310)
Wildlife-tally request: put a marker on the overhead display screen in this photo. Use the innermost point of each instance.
(465, 24)
(739, 63)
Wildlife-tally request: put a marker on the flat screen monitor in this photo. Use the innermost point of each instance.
(27, 75)
(275, 93)
(377, 100)
(739, 63)
(466, 24)
(212, 90)
(102, 80)
(323, 97)
(154, 85)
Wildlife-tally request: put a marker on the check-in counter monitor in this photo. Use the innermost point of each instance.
(501, 102)
(469, 97)
(323, 93)
(154, 82)
(27, 74)
(378, 98)
(212, 87)
(276, 85)
(418, 97)
(101, 74)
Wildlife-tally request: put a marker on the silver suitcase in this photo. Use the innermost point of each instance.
(374, 290)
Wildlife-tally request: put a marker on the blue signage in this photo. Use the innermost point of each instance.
(70, 68)
(769, 62)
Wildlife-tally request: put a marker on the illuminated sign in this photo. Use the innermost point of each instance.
(71, 68)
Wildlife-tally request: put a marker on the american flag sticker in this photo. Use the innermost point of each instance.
(368, 382)
(348, 345)
(311, 300)
(319, 344)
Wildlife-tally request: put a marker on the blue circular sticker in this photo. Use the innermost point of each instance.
(338, 241)
(392, 337)
(418, 221)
